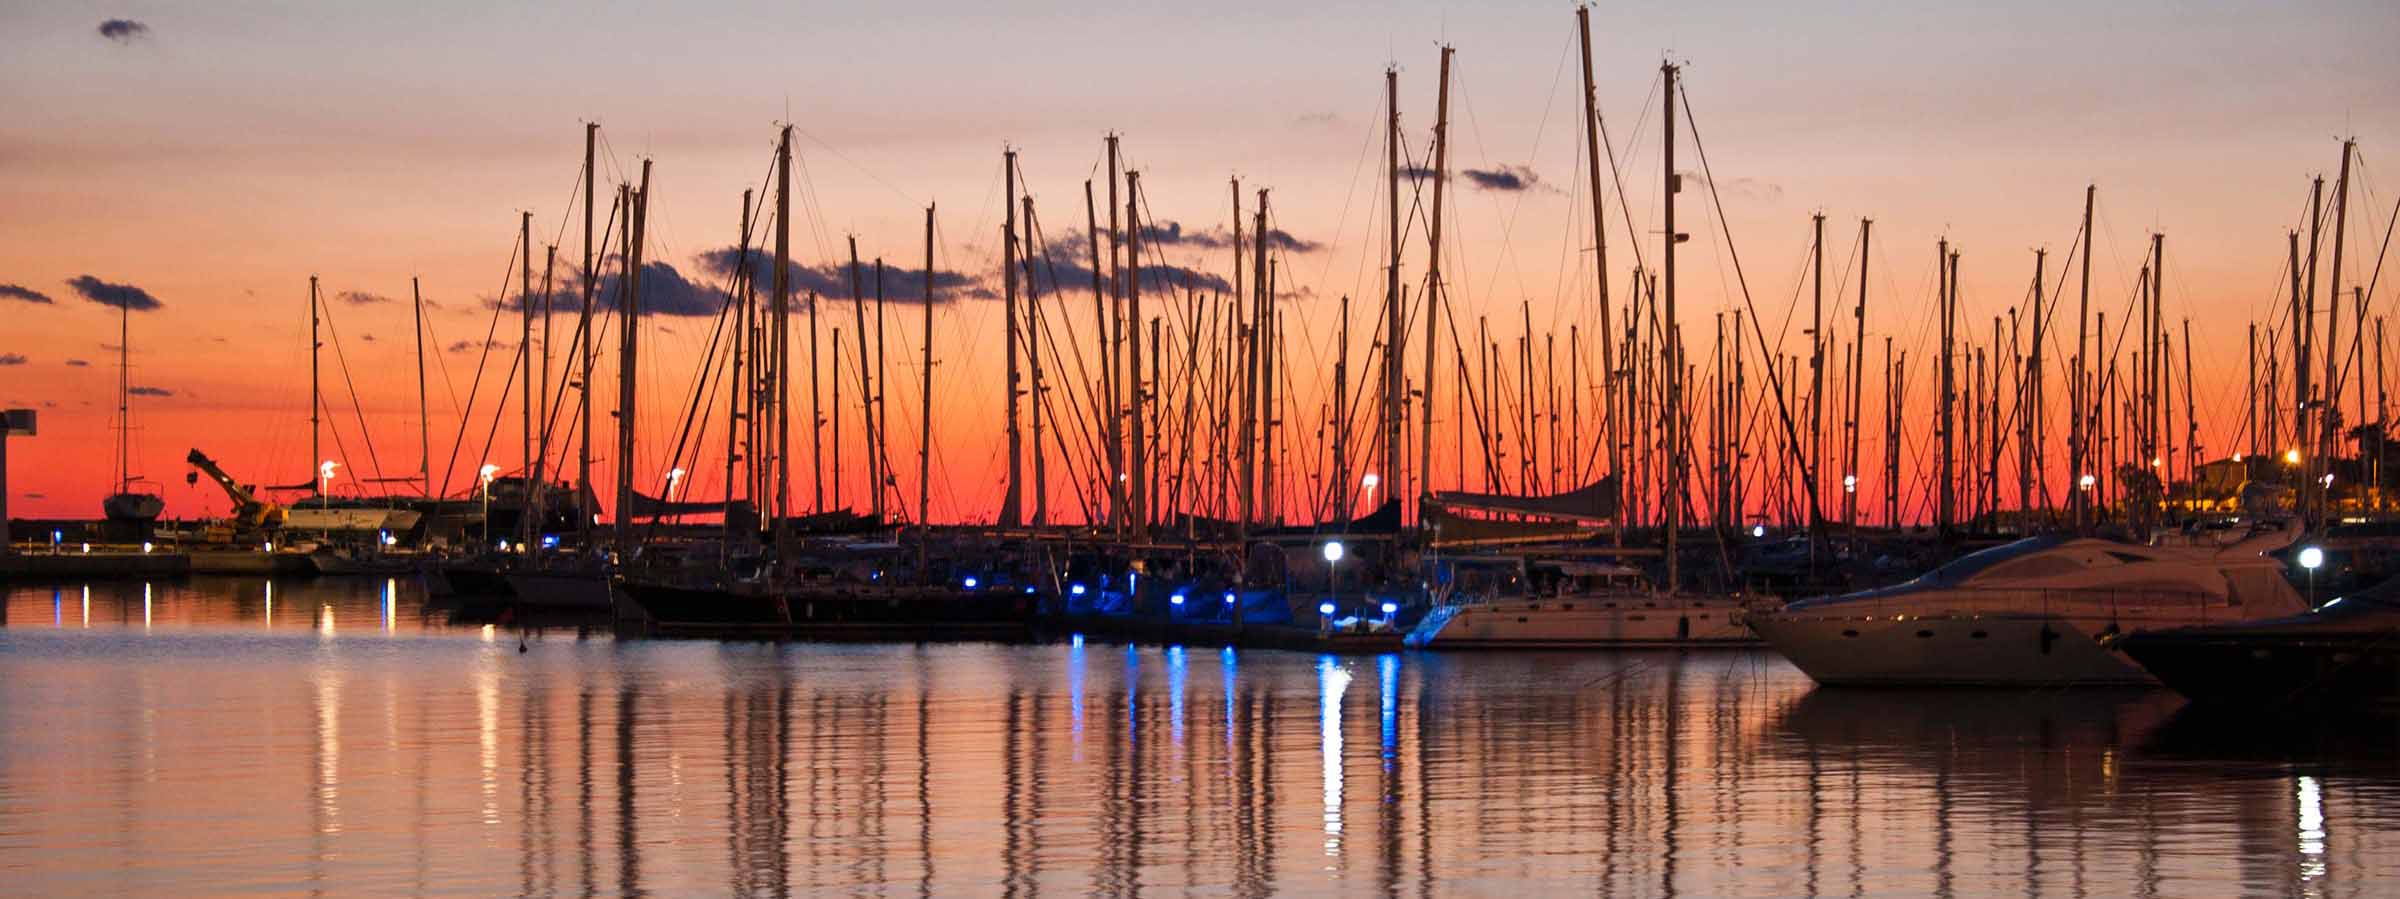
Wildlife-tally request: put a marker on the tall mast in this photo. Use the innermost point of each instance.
(781, 438)
(1673, 372)
(1008, 265)
(877, 419)
(2029, 454)
(1394, 337)
(1608, 359)
(628, 346)
(1256, 385)
(1816, 390)
(525, 523)
(866, 384)
(1246, 349)
(1119, 377)
(1850, 479)
(737, 385)
(1341, 419)
(1945, 271)
(2333, 294)
(1433, 282)
(1033, 353)
(316, 482)
(925, 421)
(416, 302)
(583, 351)
(2078, 452)
(1136, 399)
(1102, 310)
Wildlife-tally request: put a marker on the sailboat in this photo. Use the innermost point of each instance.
(136, 501)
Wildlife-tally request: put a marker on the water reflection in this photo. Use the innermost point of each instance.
(444, 760)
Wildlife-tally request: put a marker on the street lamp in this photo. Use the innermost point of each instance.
(2311, 558)
(674, 476)
(325, 476)
(1333, 558)
(1369, 481)
(483, 476)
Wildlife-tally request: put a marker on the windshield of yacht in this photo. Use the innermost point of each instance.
(1977, 562)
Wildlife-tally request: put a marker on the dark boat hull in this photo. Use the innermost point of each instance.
(871, 614)
(2258, 669)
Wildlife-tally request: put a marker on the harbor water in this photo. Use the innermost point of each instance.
(334, 736)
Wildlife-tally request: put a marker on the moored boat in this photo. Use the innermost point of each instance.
(2344, 653)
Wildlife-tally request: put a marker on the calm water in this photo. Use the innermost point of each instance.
(211, 737)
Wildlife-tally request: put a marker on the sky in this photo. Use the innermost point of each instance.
(216, 156)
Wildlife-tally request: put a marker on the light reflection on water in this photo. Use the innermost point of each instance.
(163, 739)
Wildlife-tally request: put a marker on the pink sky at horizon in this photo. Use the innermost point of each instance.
(223, 156)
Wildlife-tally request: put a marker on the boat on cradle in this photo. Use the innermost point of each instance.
(2343, 653)
(2031, 613)
(1573, 604)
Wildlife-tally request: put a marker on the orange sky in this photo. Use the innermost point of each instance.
(217, 158)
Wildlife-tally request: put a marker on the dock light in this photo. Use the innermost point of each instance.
(549, 541)
(1029, 589)
(674, 477)
(1849, 483)
(385, 538)
(1229, 597)
(145, 547)
(1325, 608)
(1758, 530)
(2291, 456)
(973, 583)
(87, 548)
(2086, 481)
(267, 547)
(1333, 550)
(484, 474)
(2311, 557)
(2329, 479)
(1390, 607)
(1075, 589)
(325, 474)
(55, 537)
(1176, 599)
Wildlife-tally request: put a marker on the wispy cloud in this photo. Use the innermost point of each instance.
(1740, 188)
(361, 298)
(27, 294)
(1171, 232)
(11, 359)
(149, 391)
(124, 31)
(77, 363)
(122, 296)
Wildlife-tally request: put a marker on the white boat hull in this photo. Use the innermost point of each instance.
(1590, 623)
(340, 519)
(2015, 651)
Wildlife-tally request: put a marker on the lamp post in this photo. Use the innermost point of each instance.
(1333, 558)
(2311, 558)
(483, 477)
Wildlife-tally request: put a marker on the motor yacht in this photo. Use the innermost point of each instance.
(2031, 612)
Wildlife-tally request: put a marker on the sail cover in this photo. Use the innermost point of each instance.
(1593, 502)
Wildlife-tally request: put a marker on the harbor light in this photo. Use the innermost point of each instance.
(87, 548)
(1333, 550)
(1176, 599)
(2086, 481)
(972, 583)
(1075, 589)
(1390, 607)
(325, 475)
(1758, 530)
(1229, 597)
(267, 547)
(1370, 480)
(1325, 608)
(2312, 557)
(674, 477)
(145, 547)
(2291, 456)
(484, 475)
(1849, 483)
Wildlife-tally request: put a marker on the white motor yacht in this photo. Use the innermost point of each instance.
(2032, 612)
(1579, 605)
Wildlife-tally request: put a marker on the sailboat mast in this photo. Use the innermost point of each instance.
(1850, 479)
(1008, 265)
(416, 301)
(925, 421)
(1608, 358)
(1392, 317)
(781, 351)
(1433, 282)
(1033, 355)
(525, 375)
(1136, 397)
(1674, 376)
(629, 329)
(583, 351)
(315, 402)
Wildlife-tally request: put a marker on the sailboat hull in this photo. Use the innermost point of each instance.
(141, 508)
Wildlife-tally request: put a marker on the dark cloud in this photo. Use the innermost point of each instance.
(1063, 265)
(149, 391)
(1416, 172)
(122, 296)
(1503, 177)
(11, 359)
(469, 346)
(1739, 188)
(35, 495)
(124, 31)
(28, 294)
(361, 298)
(1171, 233)
(832, 281)
(77, 363)
(665, 291)
(370, 338)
